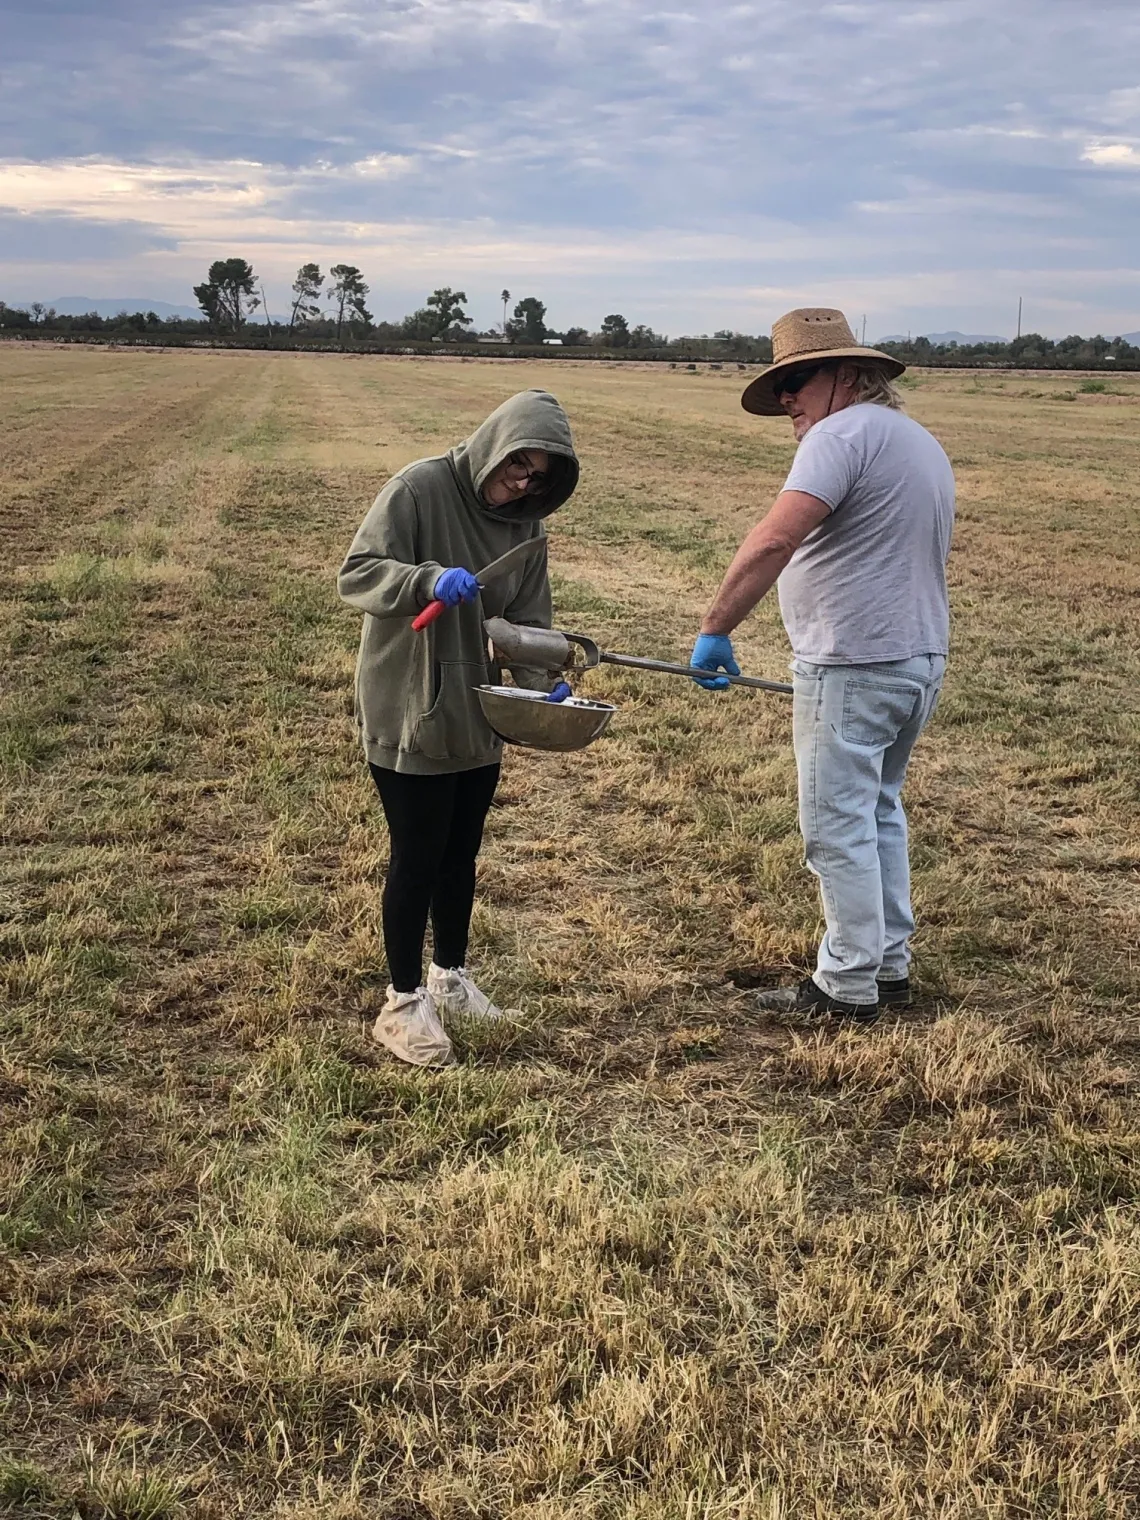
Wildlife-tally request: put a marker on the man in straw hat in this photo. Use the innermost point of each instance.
(858, 539)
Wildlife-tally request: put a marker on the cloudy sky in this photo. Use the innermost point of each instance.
(693, 166)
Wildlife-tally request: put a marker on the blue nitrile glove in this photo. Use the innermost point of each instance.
(713, 651)
(455, 586)
(560, 692)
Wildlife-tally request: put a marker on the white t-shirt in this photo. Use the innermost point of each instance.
(869, 584)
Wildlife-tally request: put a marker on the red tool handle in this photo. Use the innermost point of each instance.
(428, 615)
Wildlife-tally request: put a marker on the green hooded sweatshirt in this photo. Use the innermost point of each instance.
(416, 708)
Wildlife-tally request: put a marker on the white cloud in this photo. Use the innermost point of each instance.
(195, 213)
(186, 199)
(1112, 155)
(197, 203)
(980, 129)
(745, 146)
(934, 201)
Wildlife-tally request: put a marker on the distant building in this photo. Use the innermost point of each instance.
(552, 342)
(493, 338)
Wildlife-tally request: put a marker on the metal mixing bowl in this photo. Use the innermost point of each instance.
(522, 717)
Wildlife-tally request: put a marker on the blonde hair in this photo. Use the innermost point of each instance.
(872, 383)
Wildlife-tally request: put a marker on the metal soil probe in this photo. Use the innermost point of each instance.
(553, 650)
(516, 716)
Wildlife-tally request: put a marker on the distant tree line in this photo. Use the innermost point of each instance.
(1031, 351)
(332, 307)
(40, 318)
(330, 310)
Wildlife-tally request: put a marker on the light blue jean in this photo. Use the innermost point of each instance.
(854, 727)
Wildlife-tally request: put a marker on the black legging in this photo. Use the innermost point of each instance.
(436, 824)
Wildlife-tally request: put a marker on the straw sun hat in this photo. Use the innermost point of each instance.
(808, 335)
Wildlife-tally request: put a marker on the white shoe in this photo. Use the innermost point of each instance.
(457, 996)
(408, 1025)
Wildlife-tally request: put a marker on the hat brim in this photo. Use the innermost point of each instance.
(760, 397)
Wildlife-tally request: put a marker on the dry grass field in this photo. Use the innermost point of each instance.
(649, 1253)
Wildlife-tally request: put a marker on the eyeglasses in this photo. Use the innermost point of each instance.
(794, 381)
(520, 472)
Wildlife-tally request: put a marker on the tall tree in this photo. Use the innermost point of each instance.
(448, 306)
(347, 294)
(421, 325)
(645, 337)
(528, 325)
(504, 296)
(207, 298)
(306, 293)
(14, 316)
(228, 295)
(615, 330)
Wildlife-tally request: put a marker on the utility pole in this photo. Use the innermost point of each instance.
(863, 339)
(1019, 316)
(265, 307)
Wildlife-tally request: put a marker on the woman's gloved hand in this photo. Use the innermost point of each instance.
(560, 692)
(455, 586)
(713, 651)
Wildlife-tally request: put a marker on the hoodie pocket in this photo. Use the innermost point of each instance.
(454, 728)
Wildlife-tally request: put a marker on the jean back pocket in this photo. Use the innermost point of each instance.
(875, 711)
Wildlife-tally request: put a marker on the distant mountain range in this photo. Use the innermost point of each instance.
(948, 337)
(111, 306)
(963, 338)
(106, 306)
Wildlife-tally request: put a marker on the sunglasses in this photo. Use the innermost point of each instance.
(518, 468)
(794, 381)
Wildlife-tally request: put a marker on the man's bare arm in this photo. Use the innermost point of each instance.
(762, 556)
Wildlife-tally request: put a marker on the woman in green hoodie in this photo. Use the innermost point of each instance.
(432, 754)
